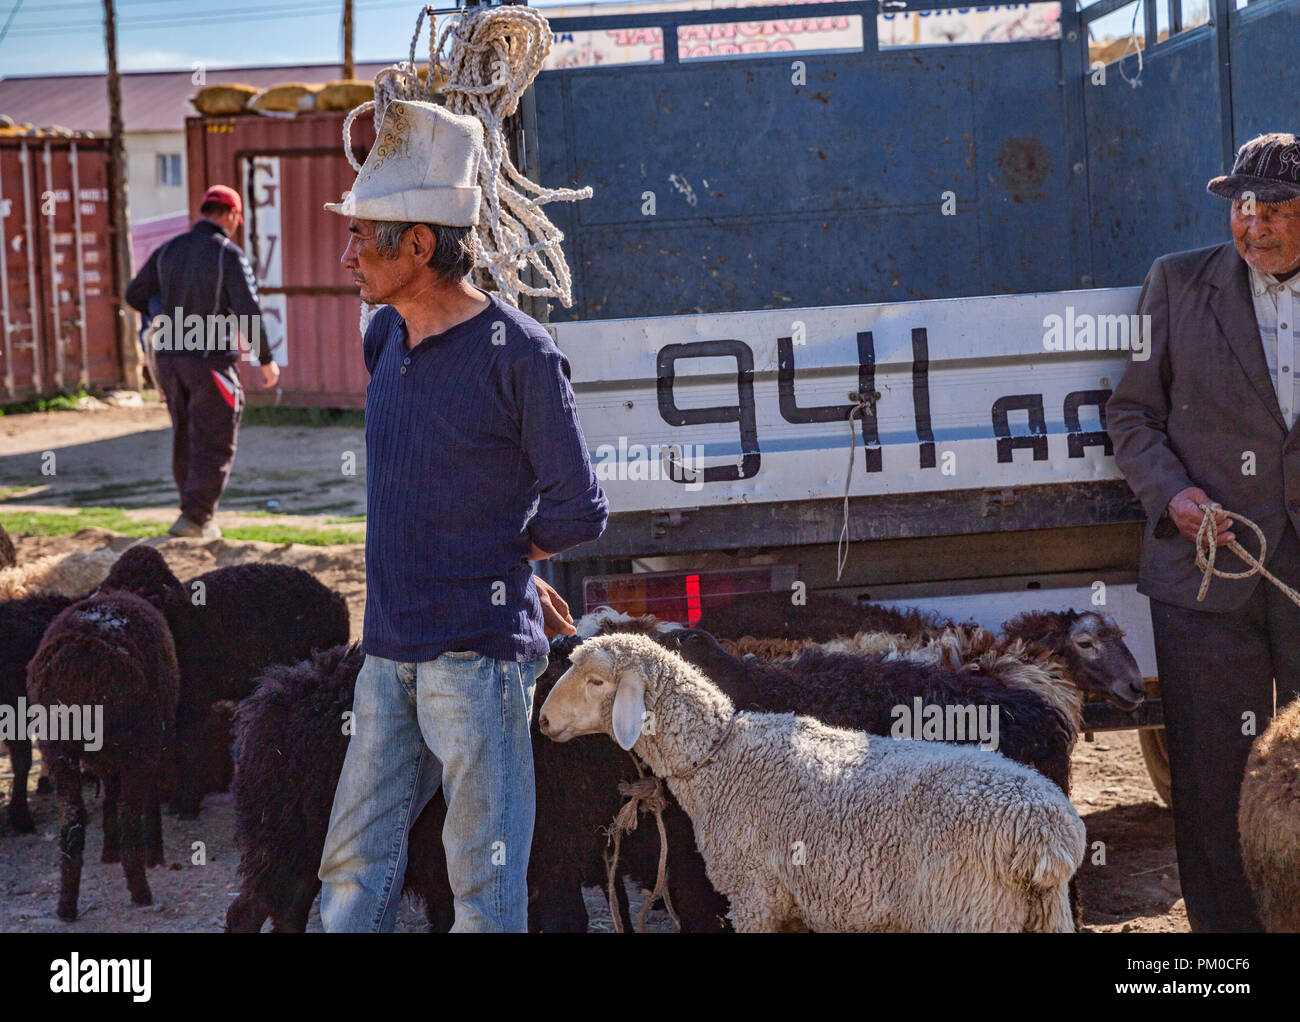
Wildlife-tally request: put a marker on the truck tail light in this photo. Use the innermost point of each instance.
(684, 596)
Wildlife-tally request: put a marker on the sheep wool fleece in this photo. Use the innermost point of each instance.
(804, 825)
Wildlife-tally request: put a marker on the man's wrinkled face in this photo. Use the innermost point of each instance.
(379, 277)
(1268, 239)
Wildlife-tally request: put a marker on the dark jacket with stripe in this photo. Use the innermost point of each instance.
(185, 272)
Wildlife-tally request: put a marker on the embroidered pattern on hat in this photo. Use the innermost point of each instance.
(395, 140)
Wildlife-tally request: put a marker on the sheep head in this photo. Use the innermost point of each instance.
(602, 692)
(142, 570)
(700, 648)
(1100, 661)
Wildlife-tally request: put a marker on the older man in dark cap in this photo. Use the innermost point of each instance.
(1210, 419)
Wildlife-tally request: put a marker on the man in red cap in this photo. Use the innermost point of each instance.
(202, 285)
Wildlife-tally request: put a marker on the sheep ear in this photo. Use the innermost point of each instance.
(629, 709)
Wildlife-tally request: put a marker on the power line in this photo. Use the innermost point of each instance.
(85, 5)
(250, 14)
(10, 20)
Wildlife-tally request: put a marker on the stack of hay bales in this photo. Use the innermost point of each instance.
(223, 100)
(8, 129)
(288, 98)
(344, 95)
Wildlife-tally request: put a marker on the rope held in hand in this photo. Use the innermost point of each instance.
(1207, 548)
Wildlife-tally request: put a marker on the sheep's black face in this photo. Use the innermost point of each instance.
(698, 647)
(562, 646)
(143, 571)
(1101, 662)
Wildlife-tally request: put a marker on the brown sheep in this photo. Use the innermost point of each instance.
(764, 649)
(1268, 817)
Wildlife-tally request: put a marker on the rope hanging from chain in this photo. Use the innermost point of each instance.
(861, 405)
(493, 56)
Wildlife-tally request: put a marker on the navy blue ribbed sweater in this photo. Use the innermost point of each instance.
(473, 448)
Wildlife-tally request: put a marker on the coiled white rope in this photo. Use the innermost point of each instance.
(1207, 546)
(495, 54)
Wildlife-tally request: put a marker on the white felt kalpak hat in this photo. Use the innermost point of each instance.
(423, 168)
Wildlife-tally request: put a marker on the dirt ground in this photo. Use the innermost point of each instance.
(1129, 882)
(121, 457)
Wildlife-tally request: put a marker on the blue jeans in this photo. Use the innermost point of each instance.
(460, 721)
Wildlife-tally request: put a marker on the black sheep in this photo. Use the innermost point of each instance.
(821, 617)
(861, 692)
(288, 755)
(229, 625)
(23, 623)
(111, 651)
(8, 556)
(289, 749)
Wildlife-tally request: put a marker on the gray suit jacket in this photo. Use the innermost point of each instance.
(1190, 414)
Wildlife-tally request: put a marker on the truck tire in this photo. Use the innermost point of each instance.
(1156, 755)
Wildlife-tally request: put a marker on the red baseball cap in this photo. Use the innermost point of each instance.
(225, 196)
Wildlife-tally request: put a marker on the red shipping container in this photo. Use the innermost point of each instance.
(286, 169)
(58, 310)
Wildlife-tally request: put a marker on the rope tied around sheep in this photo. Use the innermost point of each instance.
(1207, 548)
(644, 795)
(860, 406)
(495, 54)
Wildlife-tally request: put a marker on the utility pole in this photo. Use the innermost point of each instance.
(121, 227)
(349, 70)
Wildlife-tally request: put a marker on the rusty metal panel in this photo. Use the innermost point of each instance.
(58, 311)
(1150, 151)
(1152, 148)
(1265, 38)
(287, 168)
(770, 193)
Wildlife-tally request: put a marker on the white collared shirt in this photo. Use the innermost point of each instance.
(1277, 304)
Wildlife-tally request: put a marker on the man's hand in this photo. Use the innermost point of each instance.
(556, 618)
(1188, 517)
(270, 374)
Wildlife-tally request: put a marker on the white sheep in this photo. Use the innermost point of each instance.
(807, 826)
(73, 575)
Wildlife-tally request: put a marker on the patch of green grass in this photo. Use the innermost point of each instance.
(347, 520)
(53, 524)
(293, 534)
(63, 402)
(117, 520)
(269, 415)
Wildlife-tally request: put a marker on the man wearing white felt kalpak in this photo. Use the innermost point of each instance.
(475, 464)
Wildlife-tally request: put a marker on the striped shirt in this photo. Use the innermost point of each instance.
(1277, 303)
(473, 449)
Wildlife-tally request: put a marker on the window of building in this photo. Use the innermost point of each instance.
(169, 170)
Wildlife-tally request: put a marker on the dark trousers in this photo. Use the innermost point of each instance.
(1214, 668)
(206, 400)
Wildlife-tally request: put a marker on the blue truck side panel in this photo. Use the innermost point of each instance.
(770, 194)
